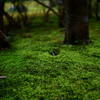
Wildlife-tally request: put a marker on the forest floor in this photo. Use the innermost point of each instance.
(39, 67)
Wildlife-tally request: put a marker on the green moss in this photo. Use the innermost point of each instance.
(34, 73)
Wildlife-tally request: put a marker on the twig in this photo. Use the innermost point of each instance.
(3, 34)
(2, 77)
(47, 7)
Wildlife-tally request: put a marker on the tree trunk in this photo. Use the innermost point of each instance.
(77, 31)
(61, 11)
(3, 43)
(1, 16)
(90, 8)
(23, 16)
(97, 9)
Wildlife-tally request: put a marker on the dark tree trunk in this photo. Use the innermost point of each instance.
(77, 31)
(47, 15)
(23, 16)
(61, 11)
(97, 9)
(51, 5)
(3, 42)
(11, 22)
(90, 8)
(1, 16)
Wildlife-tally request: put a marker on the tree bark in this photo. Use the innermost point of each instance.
(77, 26)
(1, 16)
(97, 9)
(3, 42)
(61, 11)
(90, 8)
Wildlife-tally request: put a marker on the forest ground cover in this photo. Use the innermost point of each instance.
(39, 67)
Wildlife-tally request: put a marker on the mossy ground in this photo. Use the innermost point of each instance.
(39, 67)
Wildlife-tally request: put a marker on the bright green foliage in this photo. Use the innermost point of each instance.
(40, 68)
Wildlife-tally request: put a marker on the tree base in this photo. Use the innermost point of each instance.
(4, 45)
(84, 42)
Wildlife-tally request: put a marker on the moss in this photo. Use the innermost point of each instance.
(72, 73)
